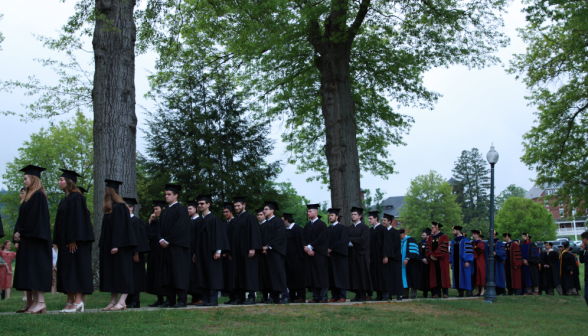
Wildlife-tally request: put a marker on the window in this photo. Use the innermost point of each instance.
(549, 192)
(561, 212)
(574, 212)
(547, 203)
(560, 203)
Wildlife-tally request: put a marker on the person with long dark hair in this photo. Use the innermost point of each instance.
(117, 242)
(33, 234)
(73, 234)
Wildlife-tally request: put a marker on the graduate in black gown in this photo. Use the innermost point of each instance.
(229, 267)
(380, 255)
(117, 242)
(73, 234)
(295, 261)
(33, 272)
(359, 256)
(245, 251)
(338, 257)
(425, 284)
(195, 226)
(212, 243)
(316, 237)
(550, 267)
(174, 229)
(155, 255)
(139, 273)
(264, 283)
(569, 271)
(273, 233)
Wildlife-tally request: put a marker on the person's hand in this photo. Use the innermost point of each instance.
(329, 251)
(467, 264)
(494, 252)
(265, 248)
(525, 262)
(405, 262)
(251, 253)
(306, 249)
(230, 257)
(434, 258)
(217, 256)
(224, 255)
(163, 244)
(151, 218)
(17, 236)
(311, 253)
(114, 250)
(572, 272)
(547, 266)
(385, 260)
(73, 247)
(16, 246)
(425, 261)
(55, 268)
(136, 257)
(582, 246)
(193, 258)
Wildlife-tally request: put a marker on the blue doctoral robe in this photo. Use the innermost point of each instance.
(466, 254)
(410, 272)
(499, 258)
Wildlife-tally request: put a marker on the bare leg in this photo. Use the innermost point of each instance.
(7, 293)
(78, 298)
(29, 296)
(123, 298)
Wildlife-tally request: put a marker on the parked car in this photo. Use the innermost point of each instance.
(577, 242)
(563, 239)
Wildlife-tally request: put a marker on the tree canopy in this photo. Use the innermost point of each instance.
(473, 175)
(510, 191)
(554, 68)
(519, 215)
(430, 198)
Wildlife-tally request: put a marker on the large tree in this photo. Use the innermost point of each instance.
(555, 68)
(333, 71)
(473, 177)
(429, 198)
(510, 191)
(521, 215)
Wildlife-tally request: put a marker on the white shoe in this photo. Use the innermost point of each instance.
(80, 307)
(65, 310)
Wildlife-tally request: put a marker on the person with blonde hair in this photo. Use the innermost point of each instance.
(6, 256)
(117, 242)
(33, 233)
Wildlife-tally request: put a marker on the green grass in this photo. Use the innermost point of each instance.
(522, 315)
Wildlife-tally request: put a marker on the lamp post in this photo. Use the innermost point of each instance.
(490, 294)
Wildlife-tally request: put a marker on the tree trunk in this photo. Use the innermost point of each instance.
(113, 97)
(340, 128)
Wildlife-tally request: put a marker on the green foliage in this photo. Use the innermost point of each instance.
(71, 93)
(377, 202)
(554, 69)
(430, 198)
(510, 191)
(473, 176)
(69, 145)
(275, 47)
(519, 215)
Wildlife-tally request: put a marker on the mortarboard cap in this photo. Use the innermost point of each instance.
(259, 210)
(334, 211)
(477, 232)
(175, 188)
(403, 230)
(193, 203)
(374, 213)
(160, 204)
(70, 174)
(33, 170)
(239, 199)
(205, 197)
(312, 206)
(82, 190)
(130, 201)
(272, 205)
(113, 184)
(287, 215)
(437, 224)
(229, 206)
(357, 209)
(427, 231)
(389, 217)
(457, 227)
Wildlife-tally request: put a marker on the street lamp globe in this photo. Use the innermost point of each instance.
(492, 155)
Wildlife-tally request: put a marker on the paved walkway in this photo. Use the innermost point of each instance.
(348, 303)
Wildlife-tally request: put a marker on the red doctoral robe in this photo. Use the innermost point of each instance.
(442, 255)
(479, 263)
(516, 262)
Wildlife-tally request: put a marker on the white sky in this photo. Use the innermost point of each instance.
(478, 106)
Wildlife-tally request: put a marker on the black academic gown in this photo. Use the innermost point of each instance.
(412, 270)
(295, 258)
(154, 259)
(359, 258)
(229, 265)
(569, 264)
(195, 271)
(380, 247)
(139, 272)
(212, 238)
(246, 236)
(552, 273)
(74, 225)
(116, 270)
(338, 258)
(175, 230)
(274, 274)
(425, 283)
(317, 269)
(394, 282)
(34, 260)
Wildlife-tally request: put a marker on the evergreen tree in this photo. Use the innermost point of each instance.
(473, 176)
(202, 137)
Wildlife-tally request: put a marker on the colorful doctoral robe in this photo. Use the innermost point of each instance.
(461, 253)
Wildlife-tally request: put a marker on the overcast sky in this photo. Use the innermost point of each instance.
(478, 107)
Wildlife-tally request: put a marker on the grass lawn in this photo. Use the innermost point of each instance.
(523, 315)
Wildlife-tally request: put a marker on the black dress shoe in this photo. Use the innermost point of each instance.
(272, 301)
(263, 300)
(399, 298)
(249, 302)
(202, 304)
(237, 302)
(156, 304)
(165, 305)
(180, 305)
(285, 301)
(378, 298)
(211, 304)
(230, 302)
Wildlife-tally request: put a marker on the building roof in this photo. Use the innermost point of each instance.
(392, 205)
(536, 190)
(452, 181)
